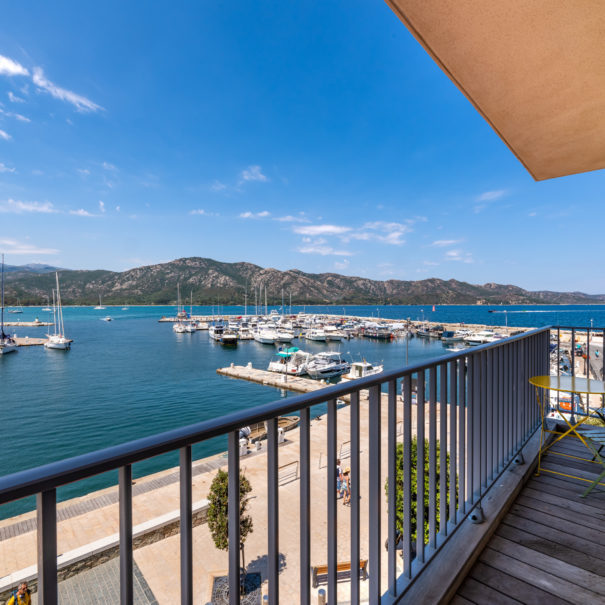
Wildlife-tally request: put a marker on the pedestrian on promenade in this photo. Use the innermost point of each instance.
(21, 596)
(346, 487)
(338, 478)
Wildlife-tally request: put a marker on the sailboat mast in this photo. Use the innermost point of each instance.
(54, 313)
(266, 311)
(2, 335)
(59, 307)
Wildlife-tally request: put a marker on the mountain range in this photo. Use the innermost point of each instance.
(214, 282)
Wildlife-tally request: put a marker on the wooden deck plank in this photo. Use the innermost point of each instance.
(570, 526)
(513, 587)
(572, 573)
(481, 594)
(541, 579)
(568, 487)
(550, 548)
(458, 600)
(558, 510)
(564, 499)
(556, 535)
(561, 470)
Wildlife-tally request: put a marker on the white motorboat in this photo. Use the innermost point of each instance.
(179, 328)
(316, 334)
(291, 361)
(58, 341)
(265, 336)
(228, 338)
(190, 327)
(283, 336)
(449, 336)
(201, 325)
(361, 369)
(215, 331)
(479, 338)
(245, 333)
(333, 334)
(107, 318)
(327, 365)
(7, 344)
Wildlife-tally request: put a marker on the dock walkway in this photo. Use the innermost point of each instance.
(550, 547)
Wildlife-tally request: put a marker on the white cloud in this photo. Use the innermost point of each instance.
(79, 102)
(385, 232)
(291, 219)
(4, 135)
(202, 212)
(19, 207)
(5, 168)
(17, 116)
(8, 67)
(322, 230)
(459, 256)
(532, 214)
(430, 263)
(446, 242)
(218, 186)
(108, 166)
(84, 171)
(263, 214)
(489, 196)
(14, 98)
(323, 251)
(253, 173)
(101, 206)
(117, 209)
(10, 246)
(342, 264)
(82, 212)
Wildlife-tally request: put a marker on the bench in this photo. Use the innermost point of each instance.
(343, 572)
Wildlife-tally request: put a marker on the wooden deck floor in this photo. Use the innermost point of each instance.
(550, 547)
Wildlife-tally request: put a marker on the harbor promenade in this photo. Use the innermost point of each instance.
(94, 517)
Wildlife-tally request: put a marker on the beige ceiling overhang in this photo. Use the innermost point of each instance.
(534, 69)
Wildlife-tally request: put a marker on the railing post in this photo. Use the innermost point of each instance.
(305, 507)
(355, 497)
(186, 527)
(433, 458)
(273, 512)
(420, 467)
(125, 490)
(46, 507)
(407, 476)
(233, 508)
(375, 496)
(393, 487)
(332, 521)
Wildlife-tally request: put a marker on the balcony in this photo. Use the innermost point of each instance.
(480, 422)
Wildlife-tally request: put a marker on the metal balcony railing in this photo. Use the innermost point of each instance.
(480, 398)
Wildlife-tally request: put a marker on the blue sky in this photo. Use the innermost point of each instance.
(317, 136)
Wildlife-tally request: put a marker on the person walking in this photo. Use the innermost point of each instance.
(21, 596)
(338, 478)
(346, 487)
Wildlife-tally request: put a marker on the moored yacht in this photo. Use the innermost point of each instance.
(327, 365)
(7, 344)
(361, 369)
(58, 340)
(291, 361)
(315, 334)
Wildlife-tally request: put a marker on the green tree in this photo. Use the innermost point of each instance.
(218, 510)
(414, 493)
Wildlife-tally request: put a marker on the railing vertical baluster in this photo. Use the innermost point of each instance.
(355, 497)
(572, 355)
(46, 514)
(483, 410)
(332, 514)
(462, 420)
(375, 495)
(501, 399)
(393, 487)
(407, 476)
(186, 526)
(420, 466)
(233, 489)
(273, 512)
(433, 457)
(476, 431)
(125, 491)
(443, 450)
(453, 409)
(588, 353)
(489, 412)
(305, 507)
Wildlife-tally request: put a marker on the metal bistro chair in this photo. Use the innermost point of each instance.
(594, 439)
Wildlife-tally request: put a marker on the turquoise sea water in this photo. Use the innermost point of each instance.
(134, 377)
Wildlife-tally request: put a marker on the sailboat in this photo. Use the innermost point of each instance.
(47, 308)
(58, 340)
(7, 344)
(190, 327)
(100, 306)
(181, 314)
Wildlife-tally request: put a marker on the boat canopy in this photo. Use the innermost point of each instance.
(287, 352)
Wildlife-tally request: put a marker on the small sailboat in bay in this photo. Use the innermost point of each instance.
(58, 340)
(17, 309)
(7, 344)
(100, 306)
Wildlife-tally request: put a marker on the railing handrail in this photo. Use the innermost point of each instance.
(56, 474)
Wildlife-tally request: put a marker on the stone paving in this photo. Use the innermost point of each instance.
(159, 494)
(101, 586)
